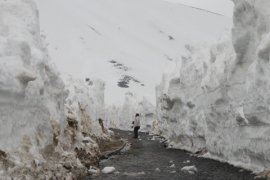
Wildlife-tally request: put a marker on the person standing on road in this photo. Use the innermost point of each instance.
(137, 125)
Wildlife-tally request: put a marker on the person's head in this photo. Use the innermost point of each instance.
(137, 115)
(100, 120)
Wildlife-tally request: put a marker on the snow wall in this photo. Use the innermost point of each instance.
(47, 130)
(218, 100)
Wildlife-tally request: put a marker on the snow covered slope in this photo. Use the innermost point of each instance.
(218, 100)
(127, 43)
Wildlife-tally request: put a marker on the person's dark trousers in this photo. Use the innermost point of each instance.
(136, 129)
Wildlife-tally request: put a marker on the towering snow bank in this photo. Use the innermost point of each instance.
(121, 117)
(31, 92)
(43, 135)
(220, 100)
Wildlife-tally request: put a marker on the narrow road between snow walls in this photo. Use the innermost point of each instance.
(147, 158)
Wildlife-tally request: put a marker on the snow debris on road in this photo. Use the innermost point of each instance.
(108, 170)
(172, 166)
(93, 170)
(157, 170)
(126, 148)
(186, 162)
(135, 174)
(189, 169)
(241, 170)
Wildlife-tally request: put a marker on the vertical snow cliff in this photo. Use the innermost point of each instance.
(218, 101)
(31, 92)
(45, 132)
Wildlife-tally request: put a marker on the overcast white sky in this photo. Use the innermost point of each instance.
(224, 7)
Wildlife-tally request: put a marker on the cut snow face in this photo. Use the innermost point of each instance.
(140, 38)
(45, 131)
(216, 104)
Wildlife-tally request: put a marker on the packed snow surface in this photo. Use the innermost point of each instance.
(128, 44)
(218, 98)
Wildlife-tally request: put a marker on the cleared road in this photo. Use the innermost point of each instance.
(148, 159)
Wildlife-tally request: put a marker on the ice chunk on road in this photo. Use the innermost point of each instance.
(189, 169)
(108, 170)
(93, 170)
(157, 170)
(186, 162)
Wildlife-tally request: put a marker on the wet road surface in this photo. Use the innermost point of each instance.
(148, 159)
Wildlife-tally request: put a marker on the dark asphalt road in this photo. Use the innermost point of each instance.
(145, 155)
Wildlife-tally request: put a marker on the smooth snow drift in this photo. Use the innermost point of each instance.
(128, 44)
(218, 99)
